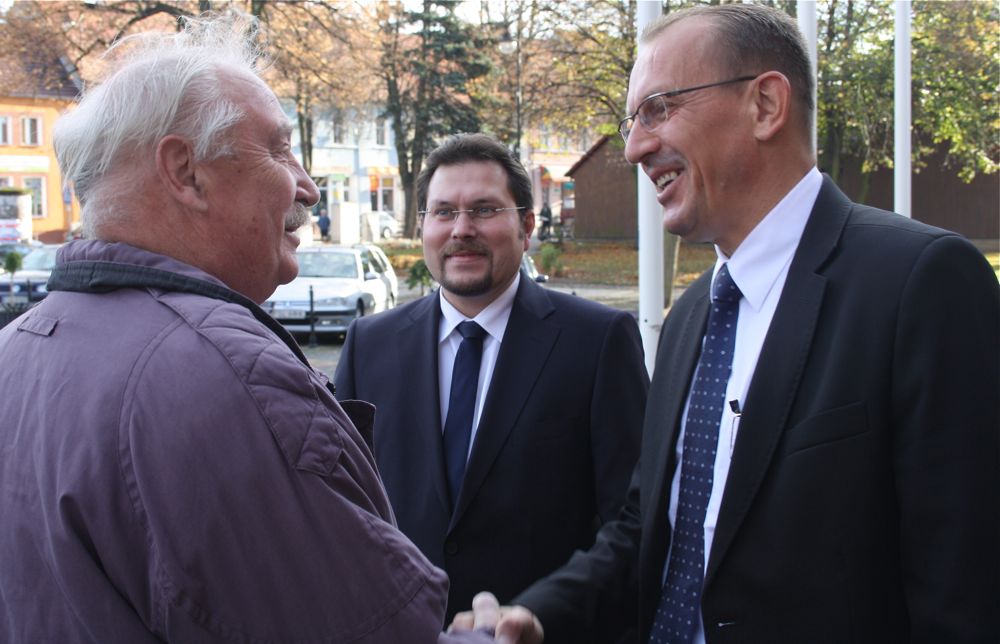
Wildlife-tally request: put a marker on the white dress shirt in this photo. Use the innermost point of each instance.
(759, 267)
(493, 319)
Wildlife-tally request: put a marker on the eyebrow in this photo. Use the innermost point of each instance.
(482, 201)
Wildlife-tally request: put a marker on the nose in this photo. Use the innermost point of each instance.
(463, 226)
(640, 143)
(306, 190)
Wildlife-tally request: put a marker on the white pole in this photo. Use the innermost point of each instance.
(902, 175)
(806, 11)
(650, 234)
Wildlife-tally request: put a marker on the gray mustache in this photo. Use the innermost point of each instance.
(298, 218)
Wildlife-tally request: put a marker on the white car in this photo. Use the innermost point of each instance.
(334, 286)
(30, 282)
(388, 225)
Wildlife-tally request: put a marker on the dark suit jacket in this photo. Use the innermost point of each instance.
(556, 444)
(862, 502)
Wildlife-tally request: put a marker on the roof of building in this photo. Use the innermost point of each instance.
(586, 155)
(38, 74)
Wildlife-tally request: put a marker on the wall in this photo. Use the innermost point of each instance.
(605, 194)
(941, 199)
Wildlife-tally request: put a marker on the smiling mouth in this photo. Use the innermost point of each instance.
(666, 179)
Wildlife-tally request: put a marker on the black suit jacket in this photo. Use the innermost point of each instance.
(556, 443)
(863, 499)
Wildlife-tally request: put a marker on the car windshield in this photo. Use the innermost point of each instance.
(40, 259)
(328, 265)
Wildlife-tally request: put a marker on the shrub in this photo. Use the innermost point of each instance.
(420, 276)
(551, 258)
(12, 263)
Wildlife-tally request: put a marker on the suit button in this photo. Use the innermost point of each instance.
(451, 548)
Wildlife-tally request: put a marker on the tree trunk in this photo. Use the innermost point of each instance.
(303, 114)
(866, 184)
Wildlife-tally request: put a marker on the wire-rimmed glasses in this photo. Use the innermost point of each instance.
(478, 213)
(654, 109)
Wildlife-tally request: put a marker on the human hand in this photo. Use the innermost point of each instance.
(510, 624)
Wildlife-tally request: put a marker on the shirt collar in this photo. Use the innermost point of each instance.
(493, 318)
(760, 259)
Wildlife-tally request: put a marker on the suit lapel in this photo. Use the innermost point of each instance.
(527, 343)
(418, 346)
(779, 370)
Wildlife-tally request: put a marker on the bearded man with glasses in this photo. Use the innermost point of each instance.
(507, 415)
(820, 454)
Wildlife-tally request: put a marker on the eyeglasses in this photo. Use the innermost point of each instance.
(482, 212)
(654, 109)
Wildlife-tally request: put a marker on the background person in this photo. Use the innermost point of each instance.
(545, 215)
(847, 488)
(323, 221)
(553, 403)
(172, 469)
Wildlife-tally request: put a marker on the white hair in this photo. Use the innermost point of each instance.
(157, 84)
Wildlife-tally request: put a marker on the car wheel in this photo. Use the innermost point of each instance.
(386, 233)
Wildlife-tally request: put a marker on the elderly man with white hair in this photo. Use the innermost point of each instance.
(171, 467)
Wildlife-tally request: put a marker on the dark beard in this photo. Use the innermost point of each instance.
(469, 289)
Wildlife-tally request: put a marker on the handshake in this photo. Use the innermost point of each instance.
(508, 624)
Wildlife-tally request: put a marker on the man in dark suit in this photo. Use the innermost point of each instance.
(554, 402)
(836, 479)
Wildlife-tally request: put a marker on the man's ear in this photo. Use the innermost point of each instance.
(177, 170)
(527, 226)
(772, 103)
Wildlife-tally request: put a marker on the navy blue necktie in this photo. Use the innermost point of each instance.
(676, 618)
(462, 404)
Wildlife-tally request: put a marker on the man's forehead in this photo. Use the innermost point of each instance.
(247, 88)
(676, 55)
(490, 181)
(254, 96)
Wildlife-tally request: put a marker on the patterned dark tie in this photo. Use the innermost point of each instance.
(462, 404)
(676, 618)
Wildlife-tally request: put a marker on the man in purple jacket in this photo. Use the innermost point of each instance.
(171, 468)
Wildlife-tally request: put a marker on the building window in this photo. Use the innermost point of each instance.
(6, 182)
(37, 187)
(381, 191)
(380, 131)
(4, 130)
(338, 128)
(387, 195)
(347, 189)
(31, 130)
(568, 197)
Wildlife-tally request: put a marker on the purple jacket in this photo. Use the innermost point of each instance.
(170, 470)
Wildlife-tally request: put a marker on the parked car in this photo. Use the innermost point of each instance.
(374, 259)
(23, 248)
(30, 282)
(388, 225)
(528, 266)
(345, 282)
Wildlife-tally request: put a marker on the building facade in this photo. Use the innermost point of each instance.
(28, 112)
(354, 160)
